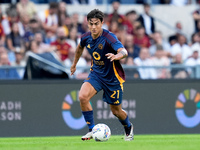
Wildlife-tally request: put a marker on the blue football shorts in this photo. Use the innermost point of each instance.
(112, 94)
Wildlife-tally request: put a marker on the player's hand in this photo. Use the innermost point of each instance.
(73, 69)
(111, 56)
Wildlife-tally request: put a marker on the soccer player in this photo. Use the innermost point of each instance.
(106, 72)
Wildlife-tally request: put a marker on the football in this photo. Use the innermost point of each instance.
(101, 132)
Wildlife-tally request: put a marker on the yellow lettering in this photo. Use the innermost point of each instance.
(113, 95)
(99, 62)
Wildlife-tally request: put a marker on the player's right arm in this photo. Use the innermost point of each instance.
(79, 51)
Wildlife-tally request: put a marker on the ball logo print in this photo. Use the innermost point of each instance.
(71, 100)
(101, 132)
(188, 108)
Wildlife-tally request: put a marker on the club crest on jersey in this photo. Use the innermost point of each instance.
(100, 46)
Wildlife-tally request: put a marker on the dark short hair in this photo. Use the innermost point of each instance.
(112, 1)
(131, 12)
(95, 13)
(139, 27)
(146, 5)
(33, 20)
(53, 5)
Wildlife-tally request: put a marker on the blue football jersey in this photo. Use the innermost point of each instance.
(107, 71)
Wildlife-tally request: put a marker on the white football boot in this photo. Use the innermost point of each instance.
(88, 136)
(129, 137)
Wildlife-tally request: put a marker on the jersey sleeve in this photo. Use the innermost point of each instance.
(114, 42)
(84, 39)
(82, 42)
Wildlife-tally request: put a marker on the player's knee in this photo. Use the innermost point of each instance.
(83, 98)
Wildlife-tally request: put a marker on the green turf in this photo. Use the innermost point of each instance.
(141, 142)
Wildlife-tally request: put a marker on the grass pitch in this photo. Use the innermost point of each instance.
(141, 142)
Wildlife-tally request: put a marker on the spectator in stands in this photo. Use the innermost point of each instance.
(33, 27)
(196, 17)
(42, 47)
(178, 72)
(198, 27)
(33, 47)
(80, 73)
(195, 44)
(106, 23)
(142, 61)
(12, 17)
(129, 23)
(158, 41)
(67, 24)
(24, 19)
(192, 61)
(62, 13)
(174, 38)
(14, 39)
(181, 47)
(2, 49)
(147, 20)
(61, 44)
(73, 38)
(165, 1)
(2, 34)
(50, 37)
(114, 27)
(180, 2)
(19, 62)
(7, 73)
(133, 50)
(1, 14)
(11, 55)
(49, 18)
(115, 16)
(78, 2)
(131, 73)
(84, 25)
(118, 30)
(26, 7)
(76, 23)
(141, 39)
(160, 60)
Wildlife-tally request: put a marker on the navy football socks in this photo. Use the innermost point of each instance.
(88, 115)
(127, 125)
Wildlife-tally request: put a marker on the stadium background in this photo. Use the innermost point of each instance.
(51, 108)
(38, 108)
(164, 22)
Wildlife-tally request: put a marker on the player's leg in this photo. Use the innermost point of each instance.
(123, 118)
(87, 91)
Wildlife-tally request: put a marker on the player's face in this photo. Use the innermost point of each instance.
(95, 26)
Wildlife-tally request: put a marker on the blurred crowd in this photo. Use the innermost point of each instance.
(97, 2)
(23, 30)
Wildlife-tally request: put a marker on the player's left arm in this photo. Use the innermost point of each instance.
(121, 53)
